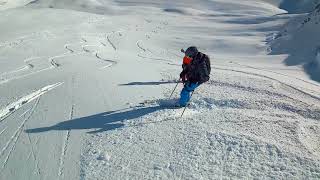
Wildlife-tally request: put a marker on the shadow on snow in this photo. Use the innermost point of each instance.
(102, 122)
(148, 83)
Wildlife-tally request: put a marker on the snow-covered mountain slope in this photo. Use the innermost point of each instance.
(294, 6)
(114, 6)
(300, 39)
(8, 4)
(93, 6)
(301, 6)
(84, 93)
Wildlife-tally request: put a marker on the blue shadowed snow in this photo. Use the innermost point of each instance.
(298, 6)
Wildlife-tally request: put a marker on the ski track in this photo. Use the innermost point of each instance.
(53, 63)
(3, 130)
(52, 60)
(112, 62)
(302, 110)
(84, 40)
(15, 74)
(29, 156)
(95, 52)
(15, 137)
(103, 44)
(29, 60)
(67, 136)
(157, 59)
(24, 113)
(139, 46)
(31, 66)
(111, 43)
(16, 105)
(264, 76)
(262, 69)
(255, 90)
(83, 47)
(178, 56)
(20, 40)
(66, 46)
(23, 39)
(108, 38)
(222, 166)
(88, 45)
(26, 75)
(34, 155)
(63, 152)
(11, 108)
(15, 71)
(4, 76)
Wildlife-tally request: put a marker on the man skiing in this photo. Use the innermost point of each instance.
(195, 71)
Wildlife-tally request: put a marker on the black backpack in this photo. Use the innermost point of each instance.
(200, 68)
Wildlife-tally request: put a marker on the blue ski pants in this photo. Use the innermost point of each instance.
(185, 93)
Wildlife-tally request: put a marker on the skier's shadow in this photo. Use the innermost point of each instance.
(148, 83)
(100, 122)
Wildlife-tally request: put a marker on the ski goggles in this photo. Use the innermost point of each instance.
(187, 60)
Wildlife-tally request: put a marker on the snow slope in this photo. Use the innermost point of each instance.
(84, 89)
(296, 6)
(300, 39)
(301, 6)
(6, 4)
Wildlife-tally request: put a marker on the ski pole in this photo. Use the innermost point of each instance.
(174, 89)
(186, 105)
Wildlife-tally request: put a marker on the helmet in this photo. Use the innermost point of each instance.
(191, 51)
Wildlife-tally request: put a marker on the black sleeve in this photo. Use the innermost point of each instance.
(208, 64)
(185, 69)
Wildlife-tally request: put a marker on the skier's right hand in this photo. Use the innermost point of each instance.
(183, 79)
(182, 75)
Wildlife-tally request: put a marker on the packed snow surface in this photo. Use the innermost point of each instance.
(85, 86)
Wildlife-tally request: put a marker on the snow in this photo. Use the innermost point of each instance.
(294, 7)
(299, 38)
(84, 88)
(318, 58)
(301, 6)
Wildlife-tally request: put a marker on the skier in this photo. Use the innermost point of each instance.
(195, 71)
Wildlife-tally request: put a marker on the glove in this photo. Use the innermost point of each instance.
(182, 75)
